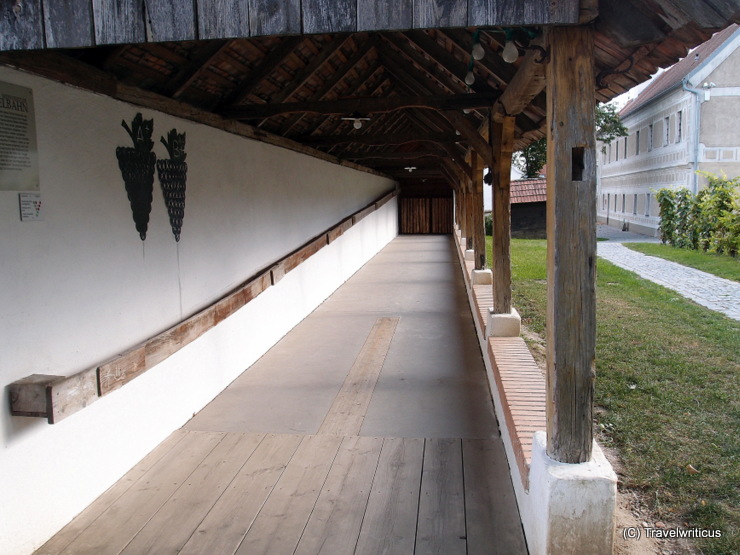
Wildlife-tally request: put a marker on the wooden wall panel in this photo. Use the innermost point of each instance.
(221, 19)
(329, 16)
(373, 16)
(169, 21)
(274, 17)
(118, 22)
(21, 27)
(425, 215)
(440, 13)
(68, 23)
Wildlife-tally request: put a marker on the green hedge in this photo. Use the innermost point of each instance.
(709, 220)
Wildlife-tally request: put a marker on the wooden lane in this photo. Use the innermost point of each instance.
(229, 493)
(373, 434)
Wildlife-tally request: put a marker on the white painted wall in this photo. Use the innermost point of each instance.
(80, 286)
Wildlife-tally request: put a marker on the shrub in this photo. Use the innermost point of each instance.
(488, 223)
(709, 220)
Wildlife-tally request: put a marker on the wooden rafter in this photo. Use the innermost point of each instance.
(365, 105)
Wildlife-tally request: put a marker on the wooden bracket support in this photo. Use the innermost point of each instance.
(53, 397)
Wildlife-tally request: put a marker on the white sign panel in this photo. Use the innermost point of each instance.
(19, 167)
(30, 206)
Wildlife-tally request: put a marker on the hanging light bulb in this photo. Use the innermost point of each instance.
(357, 124)
(510, 52)
(470, 78)
(478, 51)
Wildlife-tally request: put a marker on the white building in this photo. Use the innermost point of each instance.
(686, 121)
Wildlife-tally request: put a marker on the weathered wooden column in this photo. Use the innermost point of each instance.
(571, 243)
(502, 140)
(479, 232)
(469, 214)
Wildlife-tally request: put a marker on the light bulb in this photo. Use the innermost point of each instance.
(510, 52)
(470, 78)
(478, 51)
(357, 124)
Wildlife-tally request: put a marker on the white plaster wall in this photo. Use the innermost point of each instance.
(80, 286)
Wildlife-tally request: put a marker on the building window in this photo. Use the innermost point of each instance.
(666, 130)
(634, 205)
(637, 143)
(650, 137)
(625, 147)
(679, 124)
(647, 204)
(624, 203)
(615, 202)
(616, 152)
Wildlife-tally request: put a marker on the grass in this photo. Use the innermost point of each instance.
(720, 265)
(667, 393)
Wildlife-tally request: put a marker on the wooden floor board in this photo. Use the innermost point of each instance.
(347, 413)
(86, 518)
(125, 517)
(441, 524)
(389, 526)
(334, 525)
(233, 514)
(489, 500)
(280, 523)
(172, 526)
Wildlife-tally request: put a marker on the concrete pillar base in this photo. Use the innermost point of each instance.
(503, 325)
(470, 255)
(481, 277)
(573, 504)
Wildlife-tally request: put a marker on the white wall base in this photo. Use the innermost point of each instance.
(573, 505)
(481, 277)
(503, 325)
(470, 255)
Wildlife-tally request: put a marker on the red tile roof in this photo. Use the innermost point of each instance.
(529, 190)
(673, 76)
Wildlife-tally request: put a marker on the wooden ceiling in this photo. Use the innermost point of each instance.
(409, 85)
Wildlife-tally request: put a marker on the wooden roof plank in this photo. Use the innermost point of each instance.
(21, 26)
(118, 22)
(171, 21)
(68, 23)
(274, 17)
(222, 19)
(440, 13)
(516, 12)
(375, 16)
(329, 16)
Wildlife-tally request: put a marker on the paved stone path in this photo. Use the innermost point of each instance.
(715, 293)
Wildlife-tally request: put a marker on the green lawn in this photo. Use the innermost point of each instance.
(720, 265)
(667, 392)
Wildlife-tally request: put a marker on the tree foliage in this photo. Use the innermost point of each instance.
(531, 159)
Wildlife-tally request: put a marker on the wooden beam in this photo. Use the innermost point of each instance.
(273, 59)
(366, 105)
(502, 140)
(394, 155)
(526, 84)
(571, 240)
(380, 140)
(479, 233)
(468, 130)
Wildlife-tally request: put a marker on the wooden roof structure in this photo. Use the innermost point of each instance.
(385, 89)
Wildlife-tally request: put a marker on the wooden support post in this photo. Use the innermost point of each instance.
(479, 234)
(571, 240)
(502, 140)
(470, 229)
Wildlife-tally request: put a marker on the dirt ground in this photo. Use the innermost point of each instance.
(631, 512)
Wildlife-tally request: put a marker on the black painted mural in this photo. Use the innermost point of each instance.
(172, 178)
(137, 170)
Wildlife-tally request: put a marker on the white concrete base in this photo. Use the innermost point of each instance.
(481, 277)
(470, 255)
(573, 505)
(503, 325)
